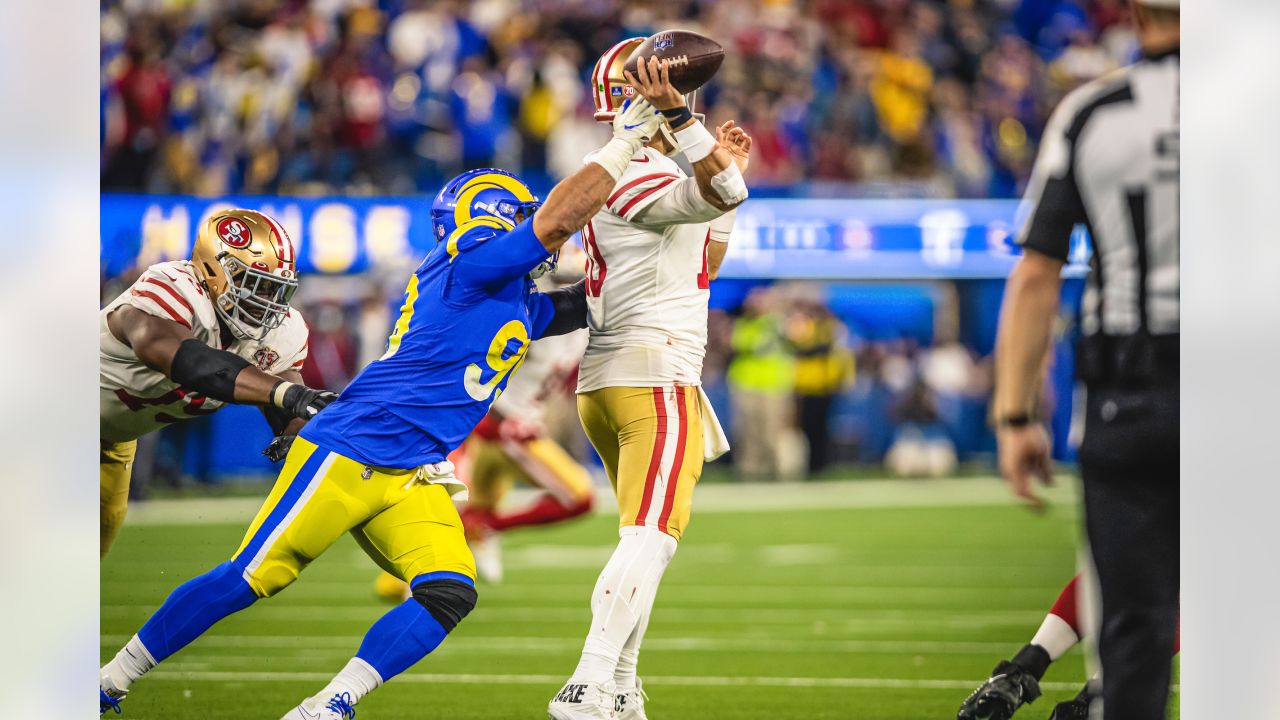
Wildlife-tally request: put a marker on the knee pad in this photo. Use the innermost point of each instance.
(447, 600)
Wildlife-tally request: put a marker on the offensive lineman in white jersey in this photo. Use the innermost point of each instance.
(652, 252)
(191, 335)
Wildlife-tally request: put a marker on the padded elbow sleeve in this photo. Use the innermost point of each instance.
(207, 370)
(448, 601)
(570, 309)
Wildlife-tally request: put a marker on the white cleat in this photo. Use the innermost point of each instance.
(629, 704)
(488, 554)
(336, 707)
(583, 701)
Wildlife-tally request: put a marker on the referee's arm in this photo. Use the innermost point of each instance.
(1027, 312)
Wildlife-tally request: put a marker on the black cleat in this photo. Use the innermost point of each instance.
(1009, 688)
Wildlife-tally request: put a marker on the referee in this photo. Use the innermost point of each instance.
(1109, 161)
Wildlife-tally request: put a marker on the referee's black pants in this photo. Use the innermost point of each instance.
(1129, 464)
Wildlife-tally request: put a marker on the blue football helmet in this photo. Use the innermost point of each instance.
(486, 192)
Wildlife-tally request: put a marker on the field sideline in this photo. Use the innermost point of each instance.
(884, 600)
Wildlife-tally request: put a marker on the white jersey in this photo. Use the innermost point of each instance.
(544, 372)
(647, 281)
(134, 399)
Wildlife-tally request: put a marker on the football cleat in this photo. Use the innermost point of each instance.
(1009, 688)
(629, 705)
(107, 702)
(583, 701)
(109, 696)
(337, 707)
(1076, 709)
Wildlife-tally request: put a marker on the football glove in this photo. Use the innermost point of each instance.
(279, 447)
(1009, 688)
(1077, 709)
(300, 401)
(637, 122)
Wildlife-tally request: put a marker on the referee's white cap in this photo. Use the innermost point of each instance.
(1171, 4)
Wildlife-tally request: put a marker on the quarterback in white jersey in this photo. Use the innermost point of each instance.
(652, 252)
(192, 335)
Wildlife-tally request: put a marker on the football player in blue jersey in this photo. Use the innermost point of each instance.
(373, 463)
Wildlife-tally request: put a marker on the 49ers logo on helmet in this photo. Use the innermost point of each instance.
(234, 232)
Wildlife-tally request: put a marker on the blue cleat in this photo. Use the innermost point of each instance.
(337, 707)
(106, 702)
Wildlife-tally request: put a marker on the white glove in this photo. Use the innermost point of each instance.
(637, 120)
(634, 125)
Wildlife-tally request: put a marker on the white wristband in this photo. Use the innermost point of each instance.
(722, 227)
(729, 185)
(696, 142)
(277, 393)
(616, 156)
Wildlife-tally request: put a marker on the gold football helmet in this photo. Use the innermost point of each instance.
(610, 85)
(246, 263)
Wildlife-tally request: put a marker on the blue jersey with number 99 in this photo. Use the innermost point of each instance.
(469, 313)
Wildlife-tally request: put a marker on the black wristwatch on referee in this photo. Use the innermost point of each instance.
(1015, 420)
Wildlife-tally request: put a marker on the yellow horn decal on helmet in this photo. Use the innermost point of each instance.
(451, 246)
(462, 209)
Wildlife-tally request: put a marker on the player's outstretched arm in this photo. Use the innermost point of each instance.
(718, 166)
(168, 347)
(577, 198)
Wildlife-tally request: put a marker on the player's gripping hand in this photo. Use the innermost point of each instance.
(737, 142)
(653, 81)
(637, 122)
(278, 448)
(300, 401)
(1009, 688)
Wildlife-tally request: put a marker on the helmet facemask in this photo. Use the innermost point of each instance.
(255, 302)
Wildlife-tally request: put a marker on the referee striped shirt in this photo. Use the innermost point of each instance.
(1109, 161)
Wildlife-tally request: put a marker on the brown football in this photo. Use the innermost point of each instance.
(694, 59)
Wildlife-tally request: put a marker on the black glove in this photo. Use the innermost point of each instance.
(1008, 688)
(300, 401)
(1077, 709)
(279, 447)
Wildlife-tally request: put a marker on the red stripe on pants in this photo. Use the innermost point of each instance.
(673, 481)
(655, 460)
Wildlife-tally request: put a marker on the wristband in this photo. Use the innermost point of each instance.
(677, 116)
(615, 156)
(695, 142)
(277, 392)
(721, 228)
(1014, 421)
(729, 185)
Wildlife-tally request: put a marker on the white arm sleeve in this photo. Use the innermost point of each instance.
(679, 203)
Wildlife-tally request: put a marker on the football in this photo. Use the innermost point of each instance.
(694, 58)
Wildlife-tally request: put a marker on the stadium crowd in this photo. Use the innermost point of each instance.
(902, 97)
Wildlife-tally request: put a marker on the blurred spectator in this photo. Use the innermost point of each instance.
(921, 446)
(761, 378)
(295, 96)
(824, 367)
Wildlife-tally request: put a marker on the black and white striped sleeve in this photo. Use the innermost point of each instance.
(1052, 205)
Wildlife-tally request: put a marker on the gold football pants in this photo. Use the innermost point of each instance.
(650, 439)
(115, 466)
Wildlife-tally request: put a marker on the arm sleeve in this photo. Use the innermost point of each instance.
(1052, 205)
(661, 199)
(559, 311)
(722, 227)
(486, 258)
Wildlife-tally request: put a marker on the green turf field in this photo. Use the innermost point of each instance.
(877, 601)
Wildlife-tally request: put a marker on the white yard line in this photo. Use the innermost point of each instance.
(710, 498)
(553, 681)
(516, 645)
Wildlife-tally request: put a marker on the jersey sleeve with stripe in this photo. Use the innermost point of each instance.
(655, 192)
(1052, 204)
